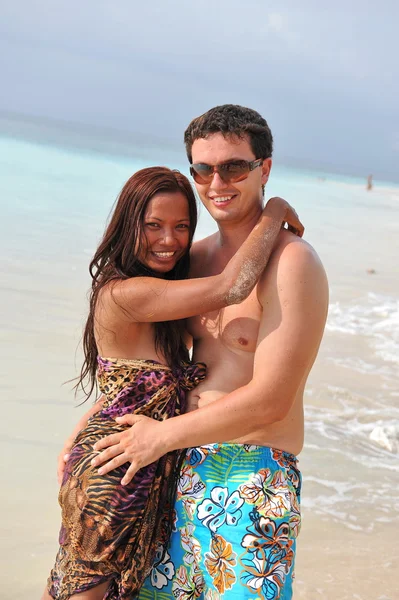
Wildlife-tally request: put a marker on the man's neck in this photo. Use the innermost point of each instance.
(233, 235)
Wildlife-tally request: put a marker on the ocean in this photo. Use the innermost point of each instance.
(57, 188)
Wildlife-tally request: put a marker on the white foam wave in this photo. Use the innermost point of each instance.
(386, 436)
(352, 444)
(375, 317)
(355, 363)
(370, 426)
(335, 500)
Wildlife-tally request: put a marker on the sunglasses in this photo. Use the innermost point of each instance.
(229, 172)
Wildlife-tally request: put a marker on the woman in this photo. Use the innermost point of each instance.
(110, 531)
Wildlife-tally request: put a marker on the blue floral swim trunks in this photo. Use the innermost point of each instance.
(236, 523)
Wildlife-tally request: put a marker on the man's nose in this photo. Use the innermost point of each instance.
(217, 182)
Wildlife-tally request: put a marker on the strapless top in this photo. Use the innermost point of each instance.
(145, 386)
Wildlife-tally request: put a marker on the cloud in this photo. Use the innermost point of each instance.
(395, 144)
(326, 79)
(275, 22)
(282, 27)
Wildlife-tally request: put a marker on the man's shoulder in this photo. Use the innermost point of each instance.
(292, 258)
(200, 254)
(203, 245)
(292, 249)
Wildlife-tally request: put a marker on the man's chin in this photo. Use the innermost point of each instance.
(222, 216)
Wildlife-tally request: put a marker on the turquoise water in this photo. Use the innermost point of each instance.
(55, 201)
(55, 196)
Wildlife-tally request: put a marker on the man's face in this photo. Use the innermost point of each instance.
(230, 202)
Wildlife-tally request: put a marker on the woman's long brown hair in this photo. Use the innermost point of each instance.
(117, 258)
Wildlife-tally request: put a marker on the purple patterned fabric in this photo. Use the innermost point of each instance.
(111, 532)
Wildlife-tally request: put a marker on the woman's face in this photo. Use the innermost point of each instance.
(166, 231)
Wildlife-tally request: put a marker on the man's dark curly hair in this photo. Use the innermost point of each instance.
(231, 120)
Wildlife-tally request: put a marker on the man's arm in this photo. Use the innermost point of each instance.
(294, 295)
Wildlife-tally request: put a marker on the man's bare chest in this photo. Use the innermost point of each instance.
(236, 326)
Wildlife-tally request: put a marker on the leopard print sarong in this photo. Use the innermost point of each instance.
(111, 532)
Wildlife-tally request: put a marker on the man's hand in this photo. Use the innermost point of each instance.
(140, 445)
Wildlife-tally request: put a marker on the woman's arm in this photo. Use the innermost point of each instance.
(149, 299)
(168, 300)
(296, 299)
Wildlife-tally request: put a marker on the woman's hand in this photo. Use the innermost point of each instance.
(64, 454)
(290, 215)
(140, 445)
(62, 459)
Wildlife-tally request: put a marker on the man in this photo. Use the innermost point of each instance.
(237, 504)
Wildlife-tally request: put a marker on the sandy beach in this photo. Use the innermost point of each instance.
(54, 205)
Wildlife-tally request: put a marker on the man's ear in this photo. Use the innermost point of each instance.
(266, 168)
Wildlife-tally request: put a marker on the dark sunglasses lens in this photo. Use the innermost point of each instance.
(234, 171)
(201, 173)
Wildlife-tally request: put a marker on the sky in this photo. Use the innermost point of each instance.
(324, 75)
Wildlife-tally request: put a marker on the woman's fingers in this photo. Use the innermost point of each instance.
(298, 229)
(297, 226)
(293, 222)
(61, 460)
(60, 469)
